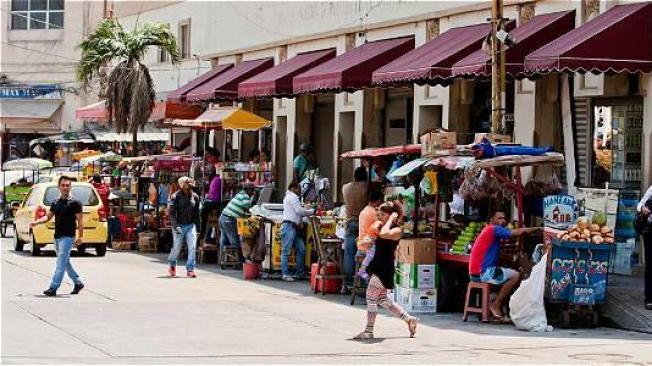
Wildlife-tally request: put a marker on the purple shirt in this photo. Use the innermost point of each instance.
(215, 189)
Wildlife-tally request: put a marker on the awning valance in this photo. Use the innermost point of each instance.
(539, 31)
(432, 62)
(27, 164)
(97, 112)
(19, 113)
(618, 40)
(352, 70)
(179, 95)
(229, 118)
(277, 81)
(65, 138)
(225, 85)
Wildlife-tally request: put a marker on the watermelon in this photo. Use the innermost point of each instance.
(599, 218)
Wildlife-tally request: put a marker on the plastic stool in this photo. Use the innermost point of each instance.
(482, 308)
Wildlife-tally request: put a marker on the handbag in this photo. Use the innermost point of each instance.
(640, 223)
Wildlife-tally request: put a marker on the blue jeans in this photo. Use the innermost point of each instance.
(291, 238)
(350, 250)
(189, 233)
(229, 232)
(63, 246)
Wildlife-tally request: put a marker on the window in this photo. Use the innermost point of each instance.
(37, 14)
(184, 39)
(84, 194)
(162, 55)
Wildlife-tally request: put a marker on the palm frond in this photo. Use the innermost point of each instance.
(104, 44)
(156, 34)
(142, 97)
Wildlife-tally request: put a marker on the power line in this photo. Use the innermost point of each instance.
(38, 51)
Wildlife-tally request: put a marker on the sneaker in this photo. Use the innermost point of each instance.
(191, 274)
(78, 287)
(50, 292)
(172, 271)
(288, 278)
(364, 336)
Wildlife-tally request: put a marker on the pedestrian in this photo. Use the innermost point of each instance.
(213, 198)
(644, 209)
(102, 189)
(381, 271)
(303, 162)
(291, 232)
(483, 261)
(237, 208)
(63, 209)
(183, 210)
(355, 196)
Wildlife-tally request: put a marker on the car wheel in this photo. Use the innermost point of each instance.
(81, 249)
(100, 250)
(18, 244)
(36, 249)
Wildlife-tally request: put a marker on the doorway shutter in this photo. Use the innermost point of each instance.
(583, 140)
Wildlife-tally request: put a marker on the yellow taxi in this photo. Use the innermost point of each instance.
(36, 205)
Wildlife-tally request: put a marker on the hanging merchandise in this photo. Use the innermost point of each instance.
(428, 184)
(445, 186)
(478, 185)
(544, 182)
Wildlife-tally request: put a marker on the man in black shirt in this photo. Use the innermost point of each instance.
(183, 209)
(63, 209)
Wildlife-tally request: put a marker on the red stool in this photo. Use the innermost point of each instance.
(482, 308)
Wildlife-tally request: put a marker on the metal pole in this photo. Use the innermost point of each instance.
(496, 67)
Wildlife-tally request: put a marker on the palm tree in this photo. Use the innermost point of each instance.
(130, 89)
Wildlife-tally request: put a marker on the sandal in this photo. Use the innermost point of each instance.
(412, 326)
(364, 336)
(503, 320)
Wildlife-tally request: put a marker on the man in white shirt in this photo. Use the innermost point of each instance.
(293, 212)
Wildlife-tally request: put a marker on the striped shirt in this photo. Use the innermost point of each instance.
(238, 206)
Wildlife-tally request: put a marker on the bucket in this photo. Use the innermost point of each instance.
(251, 271)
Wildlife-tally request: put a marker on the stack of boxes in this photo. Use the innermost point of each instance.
(417, 276)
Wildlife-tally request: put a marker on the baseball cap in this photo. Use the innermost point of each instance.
(184, 180)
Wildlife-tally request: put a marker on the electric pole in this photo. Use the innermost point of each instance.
(497, 68)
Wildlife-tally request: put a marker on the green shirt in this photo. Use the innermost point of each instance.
(302, 165)
(239, 205)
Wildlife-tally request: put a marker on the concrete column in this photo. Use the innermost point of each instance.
(567, 126)
(524, 117)
(646, 83)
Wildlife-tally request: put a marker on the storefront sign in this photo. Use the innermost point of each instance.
(560, 211)
(40, 91)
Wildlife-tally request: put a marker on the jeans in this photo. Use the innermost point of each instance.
(229, 232)
(292, 238)
(206, 209)
(350, 250)
(189, 233)
(647, 241)
(63, 246)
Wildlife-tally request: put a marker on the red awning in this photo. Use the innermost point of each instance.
(162, 110)
(179, 95)
(277, 81)
(352, 70)
(375, 152)
(618, 40)
(538, 32)
(225, 85)
(432, 62)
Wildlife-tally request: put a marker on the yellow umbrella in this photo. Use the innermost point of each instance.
(228, 118)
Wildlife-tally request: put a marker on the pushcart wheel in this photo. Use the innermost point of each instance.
(595, 319)
(3, 230)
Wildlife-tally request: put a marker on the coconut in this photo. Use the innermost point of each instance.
(599, 218)
(597, 239)
(608, 240)
(582, 223)
(605, 229)
(595, 227)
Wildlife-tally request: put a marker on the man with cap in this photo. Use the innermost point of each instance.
(183, 209)
(236, 208)
(303, 162)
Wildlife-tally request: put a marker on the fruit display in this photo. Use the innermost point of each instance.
(595, 231)
(464, 241)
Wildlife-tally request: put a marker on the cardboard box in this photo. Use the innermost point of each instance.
(419, 276)
(416, 300)
(438, 142)
(123, 245)
(147, 243)
(417, 251)
(494, 138)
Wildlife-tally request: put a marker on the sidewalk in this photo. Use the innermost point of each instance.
(624, 305)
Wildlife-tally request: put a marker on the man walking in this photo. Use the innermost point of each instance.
(291, 234)
(63, 209)
(183, 209)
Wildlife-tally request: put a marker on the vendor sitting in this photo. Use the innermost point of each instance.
(238, 207)
(483, 264)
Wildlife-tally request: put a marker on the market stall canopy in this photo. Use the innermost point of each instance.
(551, 158)
(179, 95)
(382, 151)
(225, 85)
(277, 81)
(408, 167)
(432, 62)
(352, 70)
(228, 118)
(28, 113)
(618, 40)
(65, 138)
(148, 134)
(27, 164)
(163, 110)
(539, 31)
(108, 156)
(174, 155)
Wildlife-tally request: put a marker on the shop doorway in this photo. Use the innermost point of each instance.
(398, 117)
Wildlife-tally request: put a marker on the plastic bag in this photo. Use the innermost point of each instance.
(526, 305)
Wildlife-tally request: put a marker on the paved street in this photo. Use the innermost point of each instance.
(131, 312)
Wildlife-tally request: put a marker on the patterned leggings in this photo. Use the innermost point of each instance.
(377, 295)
